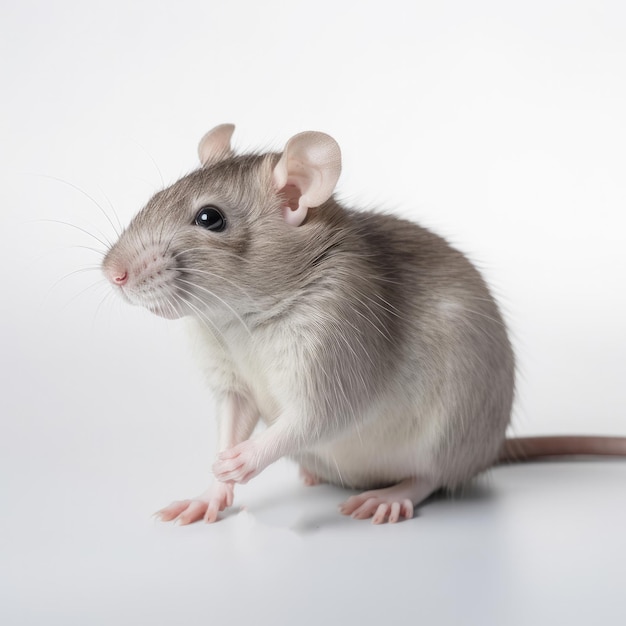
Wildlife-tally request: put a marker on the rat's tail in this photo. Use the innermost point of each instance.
(519, 449)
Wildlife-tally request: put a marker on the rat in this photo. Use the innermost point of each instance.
(371, 348)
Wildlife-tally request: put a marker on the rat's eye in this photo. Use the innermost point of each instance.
(211, 218)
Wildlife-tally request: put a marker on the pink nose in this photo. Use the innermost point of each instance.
(120, 278)
(116, 274)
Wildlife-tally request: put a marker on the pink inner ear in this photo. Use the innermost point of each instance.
(291, 194)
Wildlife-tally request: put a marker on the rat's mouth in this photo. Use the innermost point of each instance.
(167, 310)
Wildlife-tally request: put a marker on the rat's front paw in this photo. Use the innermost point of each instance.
(239, 464)
(206, 506)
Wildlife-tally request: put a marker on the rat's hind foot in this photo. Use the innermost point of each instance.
(206, 506)
(389, 504)
(308, 478)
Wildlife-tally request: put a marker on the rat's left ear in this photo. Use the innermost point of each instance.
(307, 173)
(215, 145)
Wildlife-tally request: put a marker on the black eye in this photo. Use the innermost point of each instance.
(211, 218)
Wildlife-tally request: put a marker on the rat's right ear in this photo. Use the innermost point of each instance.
(215, 145)
(306, 174)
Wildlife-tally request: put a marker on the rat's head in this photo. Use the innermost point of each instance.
(230, 234)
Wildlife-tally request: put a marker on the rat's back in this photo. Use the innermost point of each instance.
(447, 400)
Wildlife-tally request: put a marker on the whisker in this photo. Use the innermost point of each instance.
(99, 283)
(107, 298)
(209, 292)
(169, 243)
(151, 159)
(117, 217)
(83, 230)
(171, 304)
(37, 260)
(202, 317)
(81, 270)
(216, 252)
(91, 198)
(100, 252)
(213, 274)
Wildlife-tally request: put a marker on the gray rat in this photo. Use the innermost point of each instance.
(372, 350)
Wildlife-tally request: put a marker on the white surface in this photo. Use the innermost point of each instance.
(501, 125)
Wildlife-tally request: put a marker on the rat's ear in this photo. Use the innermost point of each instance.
(215, 145)
(307, 173)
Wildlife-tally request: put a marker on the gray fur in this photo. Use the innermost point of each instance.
(381, 340)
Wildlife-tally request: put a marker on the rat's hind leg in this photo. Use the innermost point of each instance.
(309, 478)
(390, 503)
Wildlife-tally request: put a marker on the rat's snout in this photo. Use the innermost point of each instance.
(116, 272)
(145, 277)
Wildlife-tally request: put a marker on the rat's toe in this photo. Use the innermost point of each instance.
(172, 511)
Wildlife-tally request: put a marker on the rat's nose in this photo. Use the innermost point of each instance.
(116, 274)
(120, 279)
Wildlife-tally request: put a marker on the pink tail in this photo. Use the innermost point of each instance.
(521, 449)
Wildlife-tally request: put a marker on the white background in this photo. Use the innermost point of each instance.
(499, 124)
